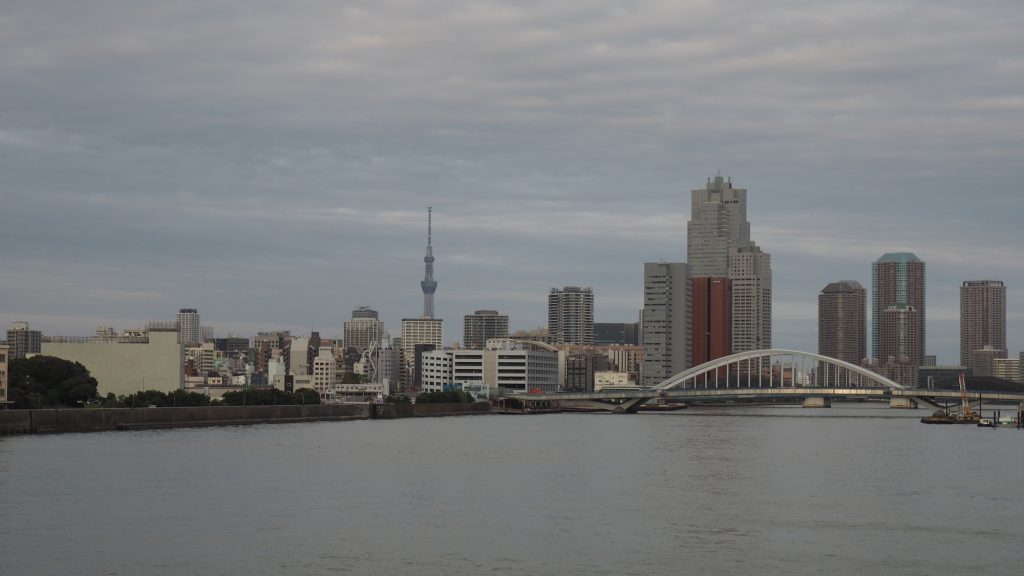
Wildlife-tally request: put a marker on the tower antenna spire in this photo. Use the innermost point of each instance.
(429, 285)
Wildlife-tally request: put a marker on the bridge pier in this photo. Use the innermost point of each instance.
(817, 402)
(902, 402)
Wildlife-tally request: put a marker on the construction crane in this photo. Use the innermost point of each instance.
(965, 413)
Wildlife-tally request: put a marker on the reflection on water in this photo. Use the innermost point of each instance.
(849, 490)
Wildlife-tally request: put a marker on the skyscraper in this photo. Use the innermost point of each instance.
(898, 281)
(666, 320)
(718, 224)
(571, 315)
(481, 326)
(718, 245)
(982, 318)
(189, 332)
(842, 321)
(750, 271)
(429, 285)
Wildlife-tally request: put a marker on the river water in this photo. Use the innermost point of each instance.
(849, 490)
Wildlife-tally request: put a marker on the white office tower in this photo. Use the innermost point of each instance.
(750, 271)
(666, 320)
(189, 332)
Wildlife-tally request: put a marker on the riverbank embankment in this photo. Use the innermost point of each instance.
(59, 420)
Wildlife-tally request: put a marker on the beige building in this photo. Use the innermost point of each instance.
(750, 271)
(428, 332)
(1007, 369)
(127, 365)
(984, 359)
(325, 372)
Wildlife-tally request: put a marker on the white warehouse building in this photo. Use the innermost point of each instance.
(506, 366)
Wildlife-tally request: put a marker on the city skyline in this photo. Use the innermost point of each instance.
(263, 187)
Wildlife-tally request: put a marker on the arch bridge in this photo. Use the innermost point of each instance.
(765, 374)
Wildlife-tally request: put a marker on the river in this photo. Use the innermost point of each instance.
(855, 489)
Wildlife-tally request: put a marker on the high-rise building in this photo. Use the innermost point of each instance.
(900, 342)
(718, 245)
(750, 271)
(188, 327)
(362, 331)
(429, 285)
(842, 321)
(667, 320)
(481, 326)
(718, 223)
(712, 318)
(21, 341)
(982, 318)
(897, 279)
(417, 332)
(571, 315)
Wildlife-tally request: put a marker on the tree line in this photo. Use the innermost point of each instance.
(49, 382)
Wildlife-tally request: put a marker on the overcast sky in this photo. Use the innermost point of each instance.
(270, 163)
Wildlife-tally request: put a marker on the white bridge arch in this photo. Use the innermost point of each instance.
(776, 368)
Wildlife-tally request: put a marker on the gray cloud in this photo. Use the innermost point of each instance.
(270, 163)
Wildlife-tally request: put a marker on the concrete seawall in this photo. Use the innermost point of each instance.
(48, 421)
(55, 421)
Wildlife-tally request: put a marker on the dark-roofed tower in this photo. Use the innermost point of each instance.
(842, 321)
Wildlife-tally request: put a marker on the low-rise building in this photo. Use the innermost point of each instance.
(125, 365)
(505, 366)
(1007, 369)
(21, 341)
(4, 352)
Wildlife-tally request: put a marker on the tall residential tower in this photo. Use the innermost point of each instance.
(481, 326)
(571, 315)
(897, 283)
(982, 318)
(189, 331)
(842, 321)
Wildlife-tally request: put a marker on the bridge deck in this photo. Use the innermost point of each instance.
(778, 392)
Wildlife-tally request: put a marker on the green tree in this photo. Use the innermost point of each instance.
(48, 382)
(450, 396)
(269, 396)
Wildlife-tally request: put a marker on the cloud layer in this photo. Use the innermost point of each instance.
(270, 163)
